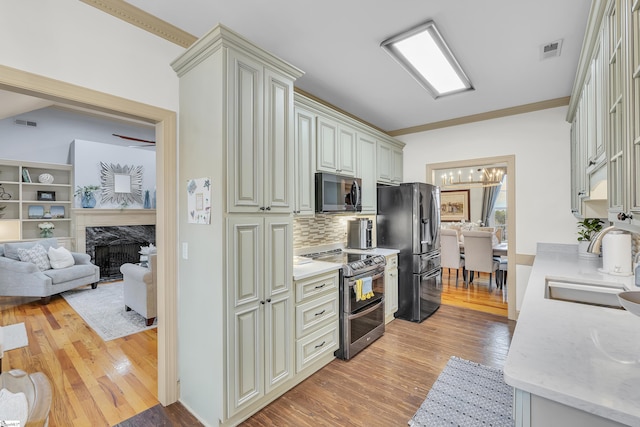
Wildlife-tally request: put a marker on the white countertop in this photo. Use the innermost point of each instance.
(583, 356)
(313, 268)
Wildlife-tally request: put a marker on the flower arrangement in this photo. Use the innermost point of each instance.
(46, 229)
(86, 191)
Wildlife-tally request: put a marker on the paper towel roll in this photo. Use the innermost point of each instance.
(616, 253)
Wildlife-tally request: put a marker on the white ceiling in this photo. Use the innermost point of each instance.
(336, 43)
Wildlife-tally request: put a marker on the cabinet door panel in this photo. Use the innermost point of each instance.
(278, 148)
(327, 145)
(245, 139)
(347, 153)
(366, 171)
(245, 270)
(385, 162)
(246, 373)
(278, 256)
(305, 144)
(397, 165)
(278, 341)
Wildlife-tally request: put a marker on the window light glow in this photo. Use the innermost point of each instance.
(425, 55)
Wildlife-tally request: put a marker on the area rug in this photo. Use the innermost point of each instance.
(103, 310)
(467, 394)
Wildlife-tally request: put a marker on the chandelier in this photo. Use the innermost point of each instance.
(481, 177)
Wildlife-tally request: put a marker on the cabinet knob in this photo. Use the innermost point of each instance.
(262, 302)
(268, 208)
(268, 299)
(591, 163)
(262, 208)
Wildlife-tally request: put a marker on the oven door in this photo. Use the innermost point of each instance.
(362, 328)
(350, 305)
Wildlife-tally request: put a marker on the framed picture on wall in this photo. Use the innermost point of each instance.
(454, 206)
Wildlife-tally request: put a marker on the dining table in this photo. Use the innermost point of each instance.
(500, 249)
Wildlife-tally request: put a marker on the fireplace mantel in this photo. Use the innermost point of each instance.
(83, 218)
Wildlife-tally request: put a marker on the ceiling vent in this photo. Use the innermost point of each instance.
(551, 50)
(26, 123)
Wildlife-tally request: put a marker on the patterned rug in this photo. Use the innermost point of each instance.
(467, 394)
(103, 309)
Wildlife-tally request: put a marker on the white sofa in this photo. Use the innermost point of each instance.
(19, 278)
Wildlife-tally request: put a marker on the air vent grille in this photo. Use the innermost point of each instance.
(26, 123)
(551, 50)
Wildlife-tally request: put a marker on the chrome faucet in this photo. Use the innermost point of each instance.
(595, 245)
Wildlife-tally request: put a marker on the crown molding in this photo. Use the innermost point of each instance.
(141, 19)
(489, 115)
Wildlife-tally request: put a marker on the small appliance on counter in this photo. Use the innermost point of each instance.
(616, 253)
(360, 234)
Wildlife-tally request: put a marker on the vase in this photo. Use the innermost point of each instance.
(46, 233)
(147, 200)
(88, 201)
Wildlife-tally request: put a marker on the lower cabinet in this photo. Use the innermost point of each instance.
(260, 339)
(317, 312)
(391, 287)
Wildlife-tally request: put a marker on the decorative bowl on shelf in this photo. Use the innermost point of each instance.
(630, 300)
(45, 178)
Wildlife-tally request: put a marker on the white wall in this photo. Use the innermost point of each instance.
(87, 155)
(540, 142)
(76, 43)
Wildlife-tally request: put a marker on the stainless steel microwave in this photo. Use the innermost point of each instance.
(337, 193)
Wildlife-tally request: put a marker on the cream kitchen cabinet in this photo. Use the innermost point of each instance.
(260, 349)
(336, 147)
(317, 313)
(367, 158)
(305, 159)
(604, 114)
(260, 142)
(25, 201)
(389, 163)
(391, 287)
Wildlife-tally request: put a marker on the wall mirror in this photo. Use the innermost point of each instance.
(121, 184)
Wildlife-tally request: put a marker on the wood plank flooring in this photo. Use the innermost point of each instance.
(104, 384)
(476, 296)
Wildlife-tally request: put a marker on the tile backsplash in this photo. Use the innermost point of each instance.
(322, 229)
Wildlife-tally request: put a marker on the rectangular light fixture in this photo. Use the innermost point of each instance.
(424, 54)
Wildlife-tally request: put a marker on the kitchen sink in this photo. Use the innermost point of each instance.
(592, 293)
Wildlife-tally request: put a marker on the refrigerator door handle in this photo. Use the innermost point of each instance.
(426, 232)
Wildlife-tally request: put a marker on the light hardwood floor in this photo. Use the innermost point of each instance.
(476, 296)
(103, 384)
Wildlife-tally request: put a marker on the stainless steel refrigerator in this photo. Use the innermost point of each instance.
(409, 220)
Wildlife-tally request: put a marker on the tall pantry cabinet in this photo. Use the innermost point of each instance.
(236, 273)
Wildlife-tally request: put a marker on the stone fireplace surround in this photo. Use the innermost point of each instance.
(132, 226)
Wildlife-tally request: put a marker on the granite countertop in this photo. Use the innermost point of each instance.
(583, 356)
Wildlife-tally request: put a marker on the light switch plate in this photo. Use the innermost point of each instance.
(185, 250)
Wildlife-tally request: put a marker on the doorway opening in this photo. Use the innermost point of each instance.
(487, 185)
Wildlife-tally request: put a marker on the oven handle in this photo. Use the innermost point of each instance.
(375, 277)
(367, 311)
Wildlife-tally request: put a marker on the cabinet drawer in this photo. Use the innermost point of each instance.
(315, 313)
(316, 285)
(392, 261)
(316, 345)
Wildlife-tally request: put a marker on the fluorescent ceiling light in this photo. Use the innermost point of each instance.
(424, 54)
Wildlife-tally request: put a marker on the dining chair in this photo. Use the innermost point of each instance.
(478, 254)
(501, 274)
(450, 256)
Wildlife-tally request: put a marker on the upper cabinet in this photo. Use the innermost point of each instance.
(305, 159)
(343, 146)
(260, 145)
(604, 114)
(336, 147)
(389, 164)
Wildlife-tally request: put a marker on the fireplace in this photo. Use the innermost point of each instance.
(110, 247)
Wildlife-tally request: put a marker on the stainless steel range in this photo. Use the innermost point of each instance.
(361, 317)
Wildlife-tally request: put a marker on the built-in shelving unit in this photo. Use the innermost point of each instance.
(25, 202)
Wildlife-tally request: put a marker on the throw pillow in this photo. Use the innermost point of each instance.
(60, 257)
(37, 255)
(13, 406)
